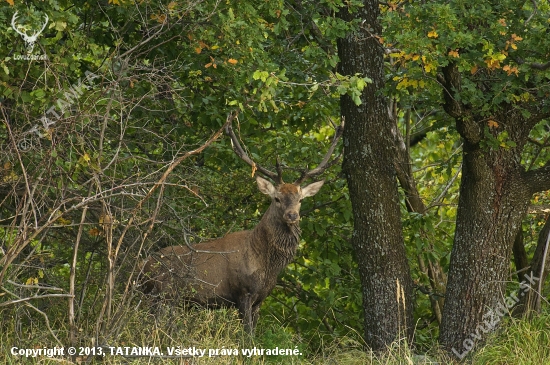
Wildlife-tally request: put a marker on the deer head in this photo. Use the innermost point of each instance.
(287, 198)
(30, 40)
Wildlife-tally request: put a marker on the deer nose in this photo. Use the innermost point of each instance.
(291, 217)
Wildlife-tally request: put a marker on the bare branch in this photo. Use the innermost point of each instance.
(438, 200)
(20, 300)
(540, 66)
(39, 287)
(538, 209)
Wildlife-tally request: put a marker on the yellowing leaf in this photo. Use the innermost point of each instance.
(492, 63)
(473, 70)
(198, 50)
(94, 232)
(454, 53)
(432, 34)
(511, 70)
(492, 124)
(60, 26)
(502, 22)
(31, 281)
(209, 64)
(10, 2)
(232, 61)
(11, 176)
(161, 18)
(63, 221)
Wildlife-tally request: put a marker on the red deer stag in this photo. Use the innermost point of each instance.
(240, 269)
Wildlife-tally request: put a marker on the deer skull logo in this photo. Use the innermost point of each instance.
(30, 40)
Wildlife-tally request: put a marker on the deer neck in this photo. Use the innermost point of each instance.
(275, 240)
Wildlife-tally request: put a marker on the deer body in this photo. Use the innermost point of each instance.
(240, 269)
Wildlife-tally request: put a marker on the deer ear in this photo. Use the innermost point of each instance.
(265, 186)
(312, 189)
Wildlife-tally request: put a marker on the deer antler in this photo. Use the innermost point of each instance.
(276, 177)
(325, 164)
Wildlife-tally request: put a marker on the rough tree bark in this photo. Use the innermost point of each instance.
(494, 195)
(369, 153)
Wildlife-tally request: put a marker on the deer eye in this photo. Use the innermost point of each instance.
(277, 200)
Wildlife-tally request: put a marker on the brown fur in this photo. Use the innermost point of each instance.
(288, 189)
(238, 270)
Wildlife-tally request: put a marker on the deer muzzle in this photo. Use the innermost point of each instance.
(291, 217)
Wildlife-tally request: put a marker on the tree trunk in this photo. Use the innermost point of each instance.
(494, 195)
(414, 203)
(520, 255)
(369, 153)
(540, 266)
(491, 206)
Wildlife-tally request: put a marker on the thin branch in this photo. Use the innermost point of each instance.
(20, 300)
(38, 287)
(437, 200)
(541, 273)
(535, 10)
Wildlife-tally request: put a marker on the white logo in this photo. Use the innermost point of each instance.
(30, 40)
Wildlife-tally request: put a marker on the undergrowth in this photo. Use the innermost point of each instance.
(517, 342)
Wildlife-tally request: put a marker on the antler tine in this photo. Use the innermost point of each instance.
(276, 177)
(325, 162)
